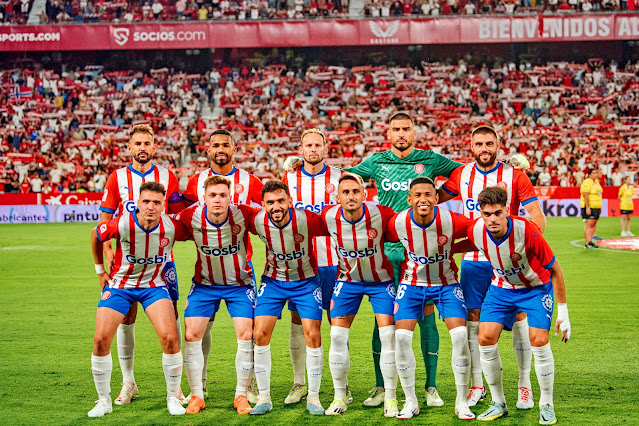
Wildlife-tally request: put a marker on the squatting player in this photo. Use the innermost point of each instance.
(476, 273)
(393, 171)
(220, 232)
(245, 189)
(429, 273)
(312, 187)
(290, 273)
(526, 274)
(144, 238)
(121, 196)
(358, 231)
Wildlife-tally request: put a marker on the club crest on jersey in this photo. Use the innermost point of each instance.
(164, 242)
(390, 289)
(298, 238)
(419, 168)
(502, 185)
(459, 294)
(330, 188)
(106, 295)
(317, 294)
(239, 188)
(546, 300)
(515, 257)
(372, 233)
(236, 229)
(442, 240)
(103, 228)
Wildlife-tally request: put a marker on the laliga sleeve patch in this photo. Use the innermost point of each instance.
(250, 294)
(390, 289)
(317, 294)
(547, 302)
(459, 294)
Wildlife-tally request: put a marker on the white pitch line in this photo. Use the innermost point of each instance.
(580, 244)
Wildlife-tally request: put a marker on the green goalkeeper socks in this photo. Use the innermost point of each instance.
(377, 349)
(429, 339)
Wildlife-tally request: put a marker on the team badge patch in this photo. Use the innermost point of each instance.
(330, 188)
(442, 240)
(250, 294)
(372, 233)
(396, 308)
(459, 294)
(164, 242)
(419, 168)
(317, 294)
(502, 185)
(546, 300)
(239, 188)
(298, 238)
(106, 295)
(515, 257)
(236, 229)
(390, 289)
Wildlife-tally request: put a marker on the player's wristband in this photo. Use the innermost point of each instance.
(99, 269)
(562, 310)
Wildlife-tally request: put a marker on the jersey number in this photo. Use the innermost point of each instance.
(400, 291)
(337, 289)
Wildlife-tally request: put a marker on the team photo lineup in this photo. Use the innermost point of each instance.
(326, 248)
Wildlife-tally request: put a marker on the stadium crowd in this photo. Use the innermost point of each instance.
(65, 133)
(201, 10)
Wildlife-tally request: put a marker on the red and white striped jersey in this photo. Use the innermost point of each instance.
(289, 250)
(314, 192)
(221, 249)
(429, 260)
(122, 190)
(360, 244)
(520, 259)
(140, 255)
(245, 188)
(468, 181)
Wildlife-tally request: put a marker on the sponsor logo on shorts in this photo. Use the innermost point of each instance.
(442, 240)
(239, 188)
(515, 257)
(106, 295)
(164, 242)
(396, 308)
(546, 300)
(298, 238)
(390, 289)
(419, 168)
(330, 188)
(372, 233)
(317, 294)
(236, 229)
(459, 294)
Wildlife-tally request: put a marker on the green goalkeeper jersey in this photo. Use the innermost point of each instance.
(393, 175)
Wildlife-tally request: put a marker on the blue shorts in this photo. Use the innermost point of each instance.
(121, 299)
(327, 276)
(306, 294)
(204, 300)
(347, 296)
(475, 280)
(411, 300)
(501, 305)
(170, 276)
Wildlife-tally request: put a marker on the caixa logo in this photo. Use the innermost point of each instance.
(471, 205)
(287, 256)
(157, 259)
(130, 206)
(423, 260)
(388, 185)
(317, 208)
(511, 272)
(355, 254)
(220, 251)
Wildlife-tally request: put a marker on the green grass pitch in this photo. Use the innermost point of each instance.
(49, 292)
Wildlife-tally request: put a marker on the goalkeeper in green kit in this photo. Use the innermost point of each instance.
(393, 171)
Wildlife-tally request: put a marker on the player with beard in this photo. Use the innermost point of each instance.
(312, 187)
(476, 272)
(245, 189)
(121, 195)
(393, 171)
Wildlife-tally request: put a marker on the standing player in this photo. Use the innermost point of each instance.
(312, 187)
(429, 272)
(393, 171)
(121, 196)
(290, 274)
(525, 273)
(245, 189)
(358, 231)
(476, 273)
(144, 238)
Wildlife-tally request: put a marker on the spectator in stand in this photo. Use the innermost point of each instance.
(157, 9)
(544, 178)
(591, 202)
(626, 206)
